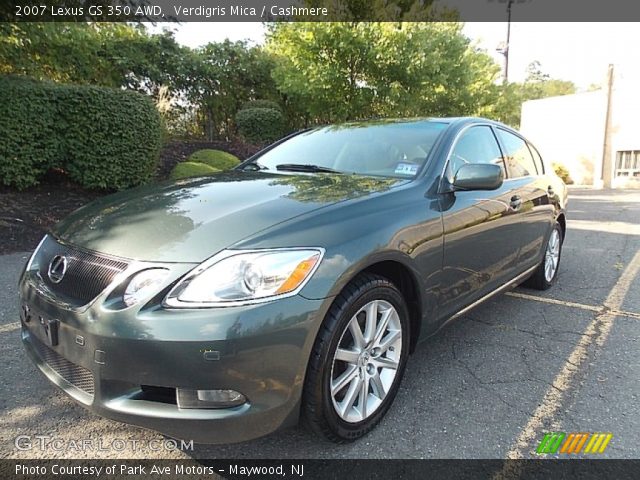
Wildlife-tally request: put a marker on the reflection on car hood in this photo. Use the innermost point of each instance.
(191, 220)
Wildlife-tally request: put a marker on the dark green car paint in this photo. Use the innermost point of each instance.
(455, 247)
(190, 220)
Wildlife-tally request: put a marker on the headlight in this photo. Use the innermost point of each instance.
(143, 285)
(33, 255)
(234, 277)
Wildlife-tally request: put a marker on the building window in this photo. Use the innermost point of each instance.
(628, 164)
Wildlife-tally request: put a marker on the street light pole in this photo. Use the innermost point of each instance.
(506, 48)
(503, 48)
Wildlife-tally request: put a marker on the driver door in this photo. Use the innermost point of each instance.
(481, 240)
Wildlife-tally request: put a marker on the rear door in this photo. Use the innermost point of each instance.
(530, 197)
(481, 232)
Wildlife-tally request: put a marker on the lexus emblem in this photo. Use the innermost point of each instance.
(57, 268)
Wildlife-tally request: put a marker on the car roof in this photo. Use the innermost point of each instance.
(453, 121)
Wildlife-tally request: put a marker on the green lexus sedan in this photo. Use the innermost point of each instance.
(294, 287)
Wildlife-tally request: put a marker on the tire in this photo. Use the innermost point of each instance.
(320, 406)
(541, 280)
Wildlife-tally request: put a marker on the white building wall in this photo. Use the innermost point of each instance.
(625, 126)
(569, 130)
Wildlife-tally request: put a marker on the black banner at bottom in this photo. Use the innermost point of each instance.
(311, 469)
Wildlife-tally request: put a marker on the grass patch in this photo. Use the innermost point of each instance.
(215, 158)
(191, 169)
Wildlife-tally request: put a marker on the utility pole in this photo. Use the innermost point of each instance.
(504, 48)
(606, 178)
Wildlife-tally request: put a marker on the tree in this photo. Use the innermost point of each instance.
(223, 76)
(510, 97)
(341, 71)
(106, 54)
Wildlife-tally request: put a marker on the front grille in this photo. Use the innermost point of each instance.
(87, 273)
(76, 375)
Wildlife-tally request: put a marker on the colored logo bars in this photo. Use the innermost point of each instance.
(560, 442)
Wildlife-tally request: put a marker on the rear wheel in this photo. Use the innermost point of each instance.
(358, 360)
(547, 272)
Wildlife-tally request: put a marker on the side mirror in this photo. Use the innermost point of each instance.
(478, 176)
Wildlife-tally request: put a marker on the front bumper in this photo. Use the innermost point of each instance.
(103, 359)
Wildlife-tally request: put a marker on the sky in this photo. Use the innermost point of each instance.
(580, 52)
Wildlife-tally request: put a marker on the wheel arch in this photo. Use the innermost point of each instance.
(406, 280)
(562, 220)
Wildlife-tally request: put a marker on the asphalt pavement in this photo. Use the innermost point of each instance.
(488, 386)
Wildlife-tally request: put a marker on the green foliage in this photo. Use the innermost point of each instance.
(29, 144)
(191, 169)
(342, 71)
(215, 158)
(563, 173)
(103, 138)
(261, 104)
(406, 64)
(510, 97)
(221, 78)
(112, 137)
(260, 125)
(103, 53)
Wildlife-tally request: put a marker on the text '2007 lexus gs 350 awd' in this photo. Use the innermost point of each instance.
(222, 308)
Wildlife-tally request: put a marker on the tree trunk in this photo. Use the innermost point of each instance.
(210, 130)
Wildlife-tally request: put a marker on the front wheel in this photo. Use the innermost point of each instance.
(547, 272)
(358, 360)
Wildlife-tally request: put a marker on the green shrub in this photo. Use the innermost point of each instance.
(103, 137)
(261, 104)
(191, 169)
(215, 158)
(29, 141)
(260, 125)
(112, 137)
(563, 173)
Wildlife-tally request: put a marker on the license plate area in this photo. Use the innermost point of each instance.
(46, 329)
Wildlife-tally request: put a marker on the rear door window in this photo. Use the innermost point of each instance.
(517, 155)
(537, 159)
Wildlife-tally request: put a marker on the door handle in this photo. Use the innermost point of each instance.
(516, 202)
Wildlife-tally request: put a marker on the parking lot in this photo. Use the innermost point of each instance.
(488, 386)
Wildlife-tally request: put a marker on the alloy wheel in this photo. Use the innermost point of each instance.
(366, 361)
(552, 255)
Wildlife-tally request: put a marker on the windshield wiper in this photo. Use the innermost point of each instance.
(301, 167)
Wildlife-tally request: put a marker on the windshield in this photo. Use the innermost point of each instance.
(390, 150)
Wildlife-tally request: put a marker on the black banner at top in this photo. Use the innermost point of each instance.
(319, 10)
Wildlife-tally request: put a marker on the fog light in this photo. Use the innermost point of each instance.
(209, 398)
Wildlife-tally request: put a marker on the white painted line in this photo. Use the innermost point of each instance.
(624, 313)
(596, 333)
(9, 327)
(582, 306)
(553, 301)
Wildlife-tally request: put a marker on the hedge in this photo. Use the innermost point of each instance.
(215, 158)
(260, 125)
(102, 137)
(29, 140)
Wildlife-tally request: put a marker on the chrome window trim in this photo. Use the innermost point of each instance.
(528, 145)
(454, 143)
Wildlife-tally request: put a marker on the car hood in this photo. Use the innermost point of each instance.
(190, 220)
